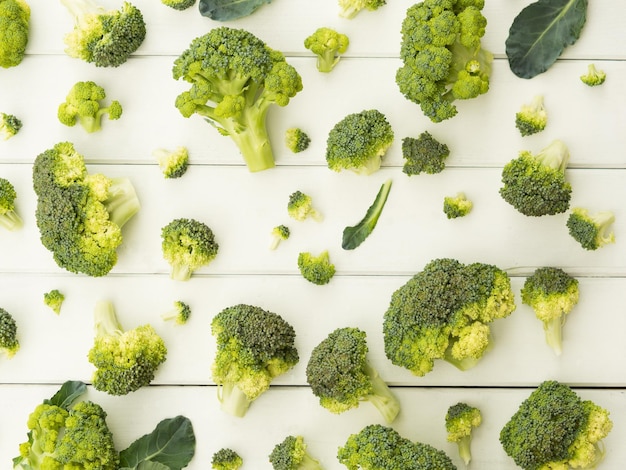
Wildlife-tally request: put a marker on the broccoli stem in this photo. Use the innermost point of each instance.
(381, 396)
(181, 272)
(327, 60)
(105, 319)
(554, 334)
(308, 463)
(233, 401)
(11, 220)
(464, 448)
(252, 139)
(80, 8)
(122, 201)
(91, 123)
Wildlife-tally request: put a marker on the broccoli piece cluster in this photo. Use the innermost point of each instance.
(457, 206)
(316, 269)
(54, 299)
(14, 32)
(179, 314)
(173, 163)
(83, 105)
(292, 454)
(424, 154)
(328, 45)
(10, 125)
(279, 233)
(591, 231)
(461, 420)
(226, 459)
(9, 217)
(9, 343)
(594, 76)
(350, 8)
(297, 140)
(532, 117)
(179, 5)
(300, 207)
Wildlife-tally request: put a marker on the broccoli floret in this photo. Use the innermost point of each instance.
(552, 294)
(125, 360)
(179, 5)
(180, 313)
(10, 125)
(341, 376)
(300, 207)
(444, 312)
(457, 206)
(253, 347)
(378, 447)
(64, 432)
(442, 57)
(594, 76)
(424, 154)
(173, 163)
(555, 428)
(54, 300)
(9, 218)
(14, 32)
(187, 245)
(297, 140)
(279, 233)
(9, 344)
(226, 459)
(103, 37)
(592, 231)
(359, 142)
(350, 8)
(235, 78)
(535, 184)
(328, 45)
(532, 117)
(316, 269)
(292, 454)
(461, 420)
(83, 106)
(80, 215)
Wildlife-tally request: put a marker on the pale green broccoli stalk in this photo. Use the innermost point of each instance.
(341, 376)
(103, 37)
(353, 236)
(179, 5)
(292, 454)
(14, 32)
(592, 231)
(532, 117)
(442, 57)
(226, 459)
(173, 163)
(54, 300)
(457, 206)
(9, 218)
(9, 344)
(300, 207)
(316, 269)
(555, 428)
(187, 245)
(125, 360)
(594, 76)
(10, 125)
(358, 142)
(279, 233)
(179, 314)
(350, 8)
(235, 78)
(83, 105)
(297, 140)
(461, 420)
(535, 184)
(328, 45)
(424, 154)
(552, 294)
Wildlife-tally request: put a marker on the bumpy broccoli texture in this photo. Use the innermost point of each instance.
(297, 140)
(105, 38)
(80, 215)
(83, 105)
(594, 76)
(350, 8)
(532, 117)
(9, 343)
(457, 206)
(179, 313)
(445, 312)
(552, 294)
(179, 5)
(235, 79)
(341, 376)
(358, 142)
(555, 428)
(317, 269)
(535, 184)
(54, 299)
(9, 217)
(14, 31)
(125, 360)
(461, 420)
(292, 454)
(378, 447)
(226, 459)
(10, 125)
(173, 163)
(328, 45)
(591, 231)
(424, 154)
(253, 347)
(279, 233)
(300, 207)
(443, 60)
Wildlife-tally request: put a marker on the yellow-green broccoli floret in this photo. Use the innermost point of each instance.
(350, 8)
(594, 76)
(424, 154)
(457, 206)
(54, 300)
(328, 45)
(300, 207)
(9, 218)
(461, 420)
(9, 344)
(83, 105)
(316, 269)
(10, 125)
(180, 313)
(297, 140)
(532, 117)
(179, 5)
(592, 231)
(14, 31)
(279, 233)
(226, 459)
(292, 454)
(173, 163)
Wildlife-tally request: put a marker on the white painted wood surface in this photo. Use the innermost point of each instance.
(242, 208)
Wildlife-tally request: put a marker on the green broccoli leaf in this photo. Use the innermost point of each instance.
(353, 236)
(540, 33)
(67, 394)
(225, 10)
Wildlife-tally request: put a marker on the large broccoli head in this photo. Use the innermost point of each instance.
(14, 31)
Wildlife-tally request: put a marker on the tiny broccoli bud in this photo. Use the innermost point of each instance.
(179, 314)
(424, 154)
(9, 344)
(279, 233)
(316, 269)
(457, 206)
(54, 299)
(10, 125)
(173, 163)
(593, 77)
(532, 118)
(296, 140)
(300, 207)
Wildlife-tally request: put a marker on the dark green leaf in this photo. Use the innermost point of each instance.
(171, 446)
(355, 235)
(540, 33)
(225, 10)
(67, 394)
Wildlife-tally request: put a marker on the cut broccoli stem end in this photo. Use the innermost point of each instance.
(232, 400)
(252, 138)
(327, 61)
(464, 446)
(181, 272)
(381, 397)
(90, 123)
(308, 463)
(105, 319)
(122, 202)
(11, 220)
(554, 334)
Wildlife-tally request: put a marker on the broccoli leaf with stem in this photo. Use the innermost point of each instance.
(354, 235)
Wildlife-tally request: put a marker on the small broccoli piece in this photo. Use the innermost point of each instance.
(552, 294)
(300, 207)
(14, 32)
(54, 300)
(83, 105)
(461, 420)
(555, 428)
(253, 347)
(173, 163)
(424, 154)
(179, 314)
(292, 454)
(457, 206)
(341, 376)
(125, 360)
(350, 8)
(9, 344)
(103, 37)
(534, 184)
(532, 117)
(594, 76)
(9, 218)
(316, 269)
(235, 78)
(358, 142)
(187, 245)
(353, 236)
(592, 231)
(279, 233)
(179, 5)
(328, 45)
(226, 459)
(297, 140)
(10, 125)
